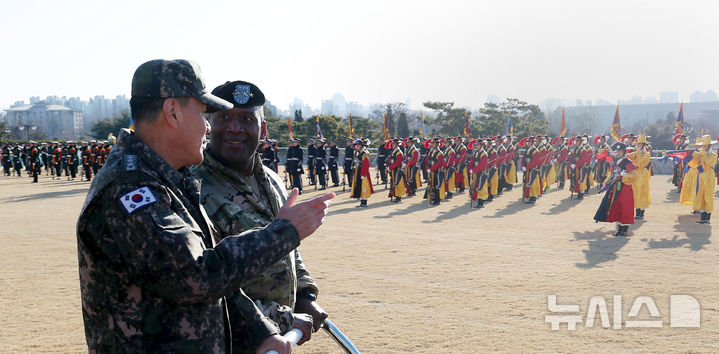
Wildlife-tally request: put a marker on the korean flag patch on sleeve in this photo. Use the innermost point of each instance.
(137, 199)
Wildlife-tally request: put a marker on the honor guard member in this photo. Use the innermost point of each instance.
(321, 163)
(361, 183)
(17, 160)
(414, 177)
(618, 203)
(700, 180)
(641, 158)
(311, 162)
(95, 155)
(398, 187)
(152, 278)
(680, 144)
(601, 163)
(34, 161)
(293, 164)
(531, 165)
(45, 157)
(492, 178)
(239, 193)
(562, 152)
(86, 154)
(332, 163)
(460, 163)
(382, 153)
(450, 169)
(581, 160)
(423, 153)
(268, 155)
(6, 159)
(435, 190)
(510, 172)
(479, 191)
(72, 159)
(57, 159)
(348, 159)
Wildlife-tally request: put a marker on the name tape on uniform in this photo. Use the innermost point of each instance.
(137, 199)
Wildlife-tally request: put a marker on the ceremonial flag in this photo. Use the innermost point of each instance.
(319, 131)
(616, 129)
(563, 125)
(508, 126)
(467, 131)
(421, 124)
(386, 128)
(289, 125)
(680, 120)
(351, 129)
(132, 125)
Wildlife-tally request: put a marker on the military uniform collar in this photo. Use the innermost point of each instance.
(129, 141)
(240, 182)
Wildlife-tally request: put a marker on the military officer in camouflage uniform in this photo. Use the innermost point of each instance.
(152, 277)
(239, 194)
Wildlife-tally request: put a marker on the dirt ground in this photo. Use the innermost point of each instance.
(413, 278)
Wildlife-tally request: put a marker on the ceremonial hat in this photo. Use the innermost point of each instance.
(241, 94)
(705, 140)
(555, 140)
(619, 146)
(173, 78)
(596, 139)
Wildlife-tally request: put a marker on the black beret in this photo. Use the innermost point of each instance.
(241, 94)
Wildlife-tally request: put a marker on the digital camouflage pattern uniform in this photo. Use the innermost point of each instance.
(233, 208)
(152, 278)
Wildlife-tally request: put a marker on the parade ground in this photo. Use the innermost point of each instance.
(411, 277)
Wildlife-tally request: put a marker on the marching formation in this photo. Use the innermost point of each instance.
(55, 158)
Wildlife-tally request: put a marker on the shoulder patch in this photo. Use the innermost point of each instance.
(137, 199)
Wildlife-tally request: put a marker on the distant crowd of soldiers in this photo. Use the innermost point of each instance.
(447, 165)
(75, 160)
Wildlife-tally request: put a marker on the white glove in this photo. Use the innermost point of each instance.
(573, 166)
(364, 177)
(623, 173)
(554, 160)
(429, 171)
(524, 168)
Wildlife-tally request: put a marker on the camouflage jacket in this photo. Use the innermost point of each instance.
(151, 277)
(233, 208)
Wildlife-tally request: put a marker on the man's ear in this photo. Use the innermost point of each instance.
(170, 109)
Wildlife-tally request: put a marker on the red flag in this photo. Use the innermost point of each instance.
(289, 125)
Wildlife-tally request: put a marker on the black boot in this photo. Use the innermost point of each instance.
(580, 196)
(705, 218)
(621, 230)
(397, 199)
(638, 215)
(480, 204)
(449, 195)
(363, 204)
(561, 186)
(532, 200)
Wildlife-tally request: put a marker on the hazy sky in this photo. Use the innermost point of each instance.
(371, 51)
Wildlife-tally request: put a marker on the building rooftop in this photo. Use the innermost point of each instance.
(38, 105)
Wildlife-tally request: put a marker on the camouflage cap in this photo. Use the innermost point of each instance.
(161, 78)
